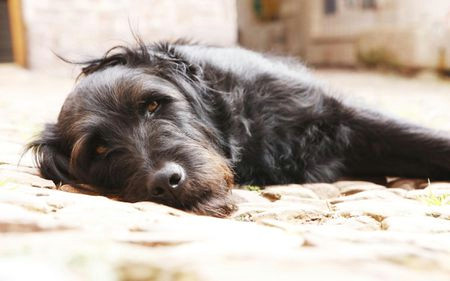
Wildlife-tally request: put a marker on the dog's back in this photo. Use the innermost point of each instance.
(244, 63)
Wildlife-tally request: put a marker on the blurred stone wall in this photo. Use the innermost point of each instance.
(80, 29)
(288, 33)
(400, 33)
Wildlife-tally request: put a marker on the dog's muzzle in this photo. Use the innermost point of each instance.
(167, 182)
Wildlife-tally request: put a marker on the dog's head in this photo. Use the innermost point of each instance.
(137, 125)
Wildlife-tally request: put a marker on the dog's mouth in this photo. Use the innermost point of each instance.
(212, 206)
(213, 200)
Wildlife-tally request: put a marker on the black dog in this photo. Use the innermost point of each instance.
(175, 123)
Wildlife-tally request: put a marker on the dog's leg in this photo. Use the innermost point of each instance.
(386, 147)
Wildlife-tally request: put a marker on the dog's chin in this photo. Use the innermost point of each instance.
(212, 203)
(219, 207)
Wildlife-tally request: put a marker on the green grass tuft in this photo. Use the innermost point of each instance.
(8, 183)
(251, 188)
(435, 200)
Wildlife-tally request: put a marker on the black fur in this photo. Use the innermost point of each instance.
(223, 112)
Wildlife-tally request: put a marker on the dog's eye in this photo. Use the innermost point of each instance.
(101, 149)
(152, 106)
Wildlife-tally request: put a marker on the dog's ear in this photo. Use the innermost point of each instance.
(49, 156)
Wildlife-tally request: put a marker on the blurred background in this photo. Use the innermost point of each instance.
(406, 35)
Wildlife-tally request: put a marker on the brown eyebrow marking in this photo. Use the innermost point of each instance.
(76, 150)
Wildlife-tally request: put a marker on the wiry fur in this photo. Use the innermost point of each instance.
(224, 113)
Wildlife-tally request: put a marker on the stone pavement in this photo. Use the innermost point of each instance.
(349, 230)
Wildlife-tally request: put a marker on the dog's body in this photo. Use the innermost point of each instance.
(174, 123)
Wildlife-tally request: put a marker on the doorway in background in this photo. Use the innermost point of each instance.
(12, 33)
(6, 52)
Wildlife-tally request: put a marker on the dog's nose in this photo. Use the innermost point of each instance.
(168, 179)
